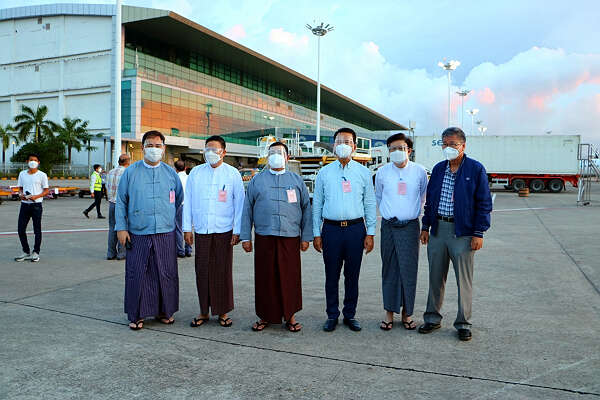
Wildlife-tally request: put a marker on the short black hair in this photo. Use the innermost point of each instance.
(179, 166)
(216, 138)
(345, 130)
(153, 134)
(33, 155)
(123, 158)
(96, 166)
(280, 144)
(400, 136)
(454, 131)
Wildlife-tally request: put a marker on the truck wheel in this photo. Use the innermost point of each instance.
(81, 195)
(518, 184)
(537, 185)
(556, 185)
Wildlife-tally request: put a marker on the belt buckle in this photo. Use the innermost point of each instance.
(344, 224)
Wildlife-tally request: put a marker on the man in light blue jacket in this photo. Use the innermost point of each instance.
(148, 196)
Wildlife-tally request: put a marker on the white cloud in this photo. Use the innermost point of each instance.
(281, 37)
(236, 32)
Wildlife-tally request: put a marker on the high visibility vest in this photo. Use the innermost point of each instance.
(96, 186)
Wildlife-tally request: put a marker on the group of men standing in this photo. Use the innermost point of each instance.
(217, 214)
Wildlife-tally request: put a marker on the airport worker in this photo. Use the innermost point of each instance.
(343, 203)
(33, 186)
(277, 206)
(96, 192)
(147, 199)
(400, 188)
(456, 215)
(212, 215)
(115, 249)
(183, 249)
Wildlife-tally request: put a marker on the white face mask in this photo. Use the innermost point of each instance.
(153, 154)
(450, 153)
(99, 170)
(398, 156)
(276, 160)
(211, 157)
(343, 150)
(33, 164)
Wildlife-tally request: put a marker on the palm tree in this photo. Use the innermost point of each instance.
(6, 135)
(30, 120)
(73, 133)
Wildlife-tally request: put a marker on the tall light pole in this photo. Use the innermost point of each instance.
(473, 112)
(318, 31)
(482, 129)
(449, 66)
(462, 93)
(117, 83)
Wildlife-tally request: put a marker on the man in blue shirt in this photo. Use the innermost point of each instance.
(147, 199)
(343, 201)
(457, 211)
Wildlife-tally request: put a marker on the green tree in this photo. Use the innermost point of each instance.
(51, 152)
(6, 136)
(73, 133)
(30, 121)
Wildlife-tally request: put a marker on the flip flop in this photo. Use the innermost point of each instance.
(259, 326)
(225, 323)
(137, 325)
(409, 325)
(293, 327)
(198, 321)
(167, 321)
(388, 325)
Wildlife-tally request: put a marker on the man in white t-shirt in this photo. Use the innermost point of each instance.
(33, 186)
(400, 188)
(183, 249)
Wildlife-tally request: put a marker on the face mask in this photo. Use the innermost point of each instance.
(153, 154)
(450, 153)
(398, 157)
(276, 160)
(99, 170)
(32, 164)
(343, 150)
(211, 157)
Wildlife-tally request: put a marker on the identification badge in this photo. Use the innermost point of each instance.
(346, 187)
(171, 196)
(291, 195)
(402, 188)
(222, 196)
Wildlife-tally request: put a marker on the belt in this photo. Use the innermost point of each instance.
(343, 224)
(444, 218)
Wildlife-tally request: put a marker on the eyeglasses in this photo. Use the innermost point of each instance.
(348, 142)
(277, 151)
(394, 148)
(215, 150)
(156, 145)
(455, 145)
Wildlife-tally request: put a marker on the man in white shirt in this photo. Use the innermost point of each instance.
(183, 249)
(33, 186)
(400, 188)
(214, 201)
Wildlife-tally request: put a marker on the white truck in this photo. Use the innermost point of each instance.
(544, 162)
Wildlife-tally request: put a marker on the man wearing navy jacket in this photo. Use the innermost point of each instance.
(457, 212)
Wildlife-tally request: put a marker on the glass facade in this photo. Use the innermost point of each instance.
(187, 94)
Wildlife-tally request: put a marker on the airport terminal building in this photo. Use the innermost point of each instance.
(178, 77)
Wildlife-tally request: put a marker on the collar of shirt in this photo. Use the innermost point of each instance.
(342, 167)
(151, 166)
(277, 172)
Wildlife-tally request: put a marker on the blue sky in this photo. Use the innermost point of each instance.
(533, 66)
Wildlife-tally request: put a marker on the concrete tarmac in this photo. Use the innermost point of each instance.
(536, 318)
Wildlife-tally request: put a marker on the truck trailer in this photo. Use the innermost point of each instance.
(543, 162)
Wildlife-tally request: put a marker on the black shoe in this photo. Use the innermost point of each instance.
(86, 214)
(188, 254)
(180, 255)
(353, 324)
(465, 335)
(111, 258)
(330, 324)
(120, 258)
(101, 217)
(428, 327)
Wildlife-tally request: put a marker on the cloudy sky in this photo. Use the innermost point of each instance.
(533, 66)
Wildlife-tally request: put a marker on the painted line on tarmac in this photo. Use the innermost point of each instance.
(59, 231)
(315, 356)
(534, 208)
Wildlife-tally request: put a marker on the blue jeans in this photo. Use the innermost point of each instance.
(183, 249)
(115, 249)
